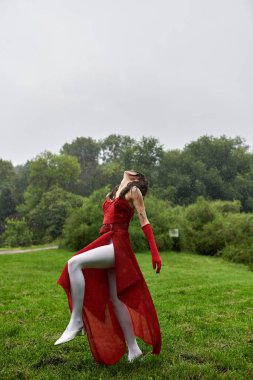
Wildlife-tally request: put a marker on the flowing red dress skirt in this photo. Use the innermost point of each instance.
(104, 333)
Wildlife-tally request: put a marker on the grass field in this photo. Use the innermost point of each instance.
(204, 304)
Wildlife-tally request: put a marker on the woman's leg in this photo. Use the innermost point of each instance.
(101, 257)
(123, 317)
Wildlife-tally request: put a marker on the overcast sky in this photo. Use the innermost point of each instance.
(172, 69)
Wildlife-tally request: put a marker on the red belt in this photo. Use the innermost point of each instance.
(113, 227)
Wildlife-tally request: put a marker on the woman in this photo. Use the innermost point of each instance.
(108, 297)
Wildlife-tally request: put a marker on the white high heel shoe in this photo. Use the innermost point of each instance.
(133, 356)
(69, 335)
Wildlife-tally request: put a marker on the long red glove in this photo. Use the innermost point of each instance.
(156, 259)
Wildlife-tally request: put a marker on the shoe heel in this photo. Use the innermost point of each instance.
(82, 332)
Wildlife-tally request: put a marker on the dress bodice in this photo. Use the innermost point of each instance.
(117, 210)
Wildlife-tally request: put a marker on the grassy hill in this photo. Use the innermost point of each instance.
(204, 304)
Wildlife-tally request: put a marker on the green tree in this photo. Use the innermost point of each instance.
(48, 216)
(216, 168)
(21, 181)
(114, 146)
(86, 150)
(45, 171)
(112, 173)
(6, 171)
(224, 158)
(243, 190)
(117, 155)
(8, 199)
(147, 154)
(7, 203)
(49, 169)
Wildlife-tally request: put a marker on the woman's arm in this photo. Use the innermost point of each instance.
(137, 199)
(138, 203)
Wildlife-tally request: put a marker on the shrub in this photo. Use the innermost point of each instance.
(137, 238)
(82, 224)
(225, 207)
(16, 233)
(211, 239)
(238, 253)
(200, 213)
(238, 228)
(177, 219)
(214, 225)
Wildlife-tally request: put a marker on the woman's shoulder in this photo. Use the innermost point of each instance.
(134, 193)
(135, 190)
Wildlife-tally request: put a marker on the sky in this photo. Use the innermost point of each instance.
(174, 70)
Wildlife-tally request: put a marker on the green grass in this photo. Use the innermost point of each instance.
(204, 304)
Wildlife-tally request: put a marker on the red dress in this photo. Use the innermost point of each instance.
(104, 333)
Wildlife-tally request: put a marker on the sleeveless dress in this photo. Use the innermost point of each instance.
(104, 333)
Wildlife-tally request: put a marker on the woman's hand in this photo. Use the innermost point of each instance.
(156, 259)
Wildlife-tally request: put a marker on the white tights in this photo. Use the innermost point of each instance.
(101, 257)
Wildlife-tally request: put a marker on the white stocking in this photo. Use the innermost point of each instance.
(101, 257)
(123, 317)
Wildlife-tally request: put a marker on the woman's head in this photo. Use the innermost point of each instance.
(135, 179)
(132, 175)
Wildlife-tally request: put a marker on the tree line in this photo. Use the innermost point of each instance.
(38, 197)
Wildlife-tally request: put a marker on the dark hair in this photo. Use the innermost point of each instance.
(140, 182)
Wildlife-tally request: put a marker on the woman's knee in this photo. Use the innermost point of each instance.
(73, 264)
(116, 302)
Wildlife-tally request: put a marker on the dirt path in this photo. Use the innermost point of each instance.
(11, 252)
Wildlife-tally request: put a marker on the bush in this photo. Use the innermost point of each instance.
(82, 224)
(200, 213)
(238, 228)
(177, 219)
(229, 233)
(211, 239)
(225, 207)
(137, 238)
(238, 254)
(17, 233)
